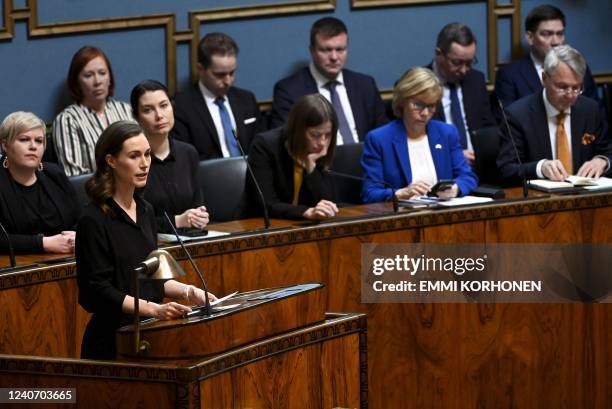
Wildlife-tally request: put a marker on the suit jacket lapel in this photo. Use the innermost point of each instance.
(55, 195)
(530, 74)
(577, 126)
(541, 133)
(202, 112)
(434, 139)
(352, 91)
(310, 85)
(400, 146)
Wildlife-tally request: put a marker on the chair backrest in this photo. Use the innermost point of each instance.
(486, 147)
(78, 182)
(223, 182)
(607, 96)
(347, 159)
(50, 154)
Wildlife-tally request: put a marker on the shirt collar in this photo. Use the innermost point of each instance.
(537, 63)
(120, 213)
(209, 97)
(322, 80)
(551, 111)
(170, 157)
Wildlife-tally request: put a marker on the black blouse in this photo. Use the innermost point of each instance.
(108, 248)
(173, 183)
(273, 168)
(28, 213)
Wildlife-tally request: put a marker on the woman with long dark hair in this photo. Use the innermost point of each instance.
(117, 232)
(290, 162)
(173, 185)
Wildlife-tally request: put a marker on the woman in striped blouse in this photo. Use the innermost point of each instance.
(77, 128)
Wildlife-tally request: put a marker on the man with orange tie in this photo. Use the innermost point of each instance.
(557, 132)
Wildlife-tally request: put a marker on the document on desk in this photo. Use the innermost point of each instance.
(171, 238)
(600, 184)
(417, 202)
(465, 200)
(572, 182)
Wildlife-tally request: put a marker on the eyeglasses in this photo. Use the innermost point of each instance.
(420, 106)
(565, 90)
(458, 62)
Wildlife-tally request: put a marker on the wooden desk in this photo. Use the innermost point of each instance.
(419, 355)
(318, 366)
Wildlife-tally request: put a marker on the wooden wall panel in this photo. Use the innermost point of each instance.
(42, 333)
(302, 378)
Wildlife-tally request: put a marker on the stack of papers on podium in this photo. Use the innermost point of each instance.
(171, 238)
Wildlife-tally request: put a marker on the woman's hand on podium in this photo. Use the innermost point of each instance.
(169, 311)
(197, 296)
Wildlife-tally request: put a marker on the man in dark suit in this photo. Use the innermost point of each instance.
(557, 132)
(465, 101)
(354, 96)
(544, 29)
(210, 113)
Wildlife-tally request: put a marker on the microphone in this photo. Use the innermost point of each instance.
(257, 187)
(365, 179)
(207, 308)
(10, 246)
(148, 267)
(518, 157)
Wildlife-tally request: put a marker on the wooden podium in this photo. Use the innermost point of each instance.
(244, 318)
(276, 348)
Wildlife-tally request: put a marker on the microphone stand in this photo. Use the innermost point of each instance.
(207, 307)
(394, 199)
(257, 187)
(518, 158)
(143, 268)
(10, 246)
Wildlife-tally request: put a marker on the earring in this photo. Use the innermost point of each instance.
(5, 163)
(40, 166)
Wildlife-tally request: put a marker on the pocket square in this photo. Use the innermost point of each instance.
(587, 139)
(250, 120)
(438, 146)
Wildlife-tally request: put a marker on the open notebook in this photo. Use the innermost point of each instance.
(571, 183)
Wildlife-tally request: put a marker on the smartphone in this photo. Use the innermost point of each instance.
(441, 186)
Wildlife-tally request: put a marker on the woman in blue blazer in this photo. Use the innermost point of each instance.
(414, 152)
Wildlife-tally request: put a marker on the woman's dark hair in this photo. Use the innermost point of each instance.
(140, 89)
(79, 60)
(101, 186)
(307, 112)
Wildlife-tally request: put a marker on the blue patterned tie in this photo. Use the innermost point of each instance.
(456, 115)
(232, 144)
(343, 127)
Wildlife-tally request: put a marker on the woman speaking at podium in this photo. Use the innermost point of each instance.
(414, 152)
(115, 234)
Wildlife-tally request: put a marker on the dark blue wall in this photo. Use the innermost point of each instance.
(383, 42)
